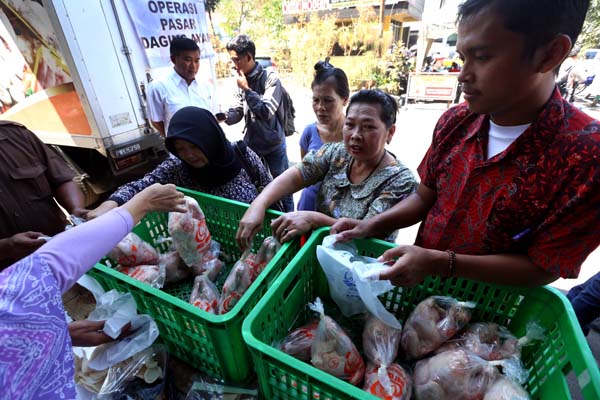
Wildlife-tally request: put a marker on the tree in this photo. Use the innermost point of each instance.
(590, 35)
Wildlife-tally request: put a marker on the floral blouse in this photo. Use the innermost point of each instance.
(338, 197)
(240, 188)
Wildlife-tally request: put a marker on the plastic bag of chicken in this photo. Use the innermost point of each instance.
(236, 284)
(383, 378)
(132, 250)
(333, 351)
(189, 233)
(153, 275)
(210, 264)
(258, 261)
(391, 382)
(205, 294)
(453, 375)
(175, 268)
(434, 321)
(298, 343)
(505, 389)
(491, 341)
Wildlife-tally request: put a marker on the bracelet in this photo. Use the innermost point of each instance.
(451, 263)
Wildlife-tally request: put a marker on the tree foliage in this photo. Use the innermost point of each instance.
(590, 35)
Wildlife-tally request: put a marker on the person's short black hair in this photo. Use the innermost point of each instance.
(539, 21)
(389, 105)
(324, 71)
(181, 44)
(242, 44)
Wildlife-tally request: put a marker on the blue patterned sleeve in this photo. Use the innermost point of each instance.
(169, 171)
(315, 164)
(264, 178)
(395, 190)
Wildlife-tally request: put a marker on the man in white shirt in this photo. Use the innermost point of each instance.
(179, 88)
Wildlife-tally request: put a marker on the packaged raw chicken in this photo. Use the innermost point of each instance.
(153, 275)
(505, 389)
(205, 294)
(333, 351)
(258, 261)
(383, 378)
(453, 375)
(175, 269)
(210, 264)
(434, 321)
(491, 341)
(236, 284)
(396, 384)
(189, 233)
(298, 343)
(132, 250)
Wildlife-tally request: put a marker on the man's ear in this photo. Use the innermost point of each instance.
(173, 59)
(554, 53)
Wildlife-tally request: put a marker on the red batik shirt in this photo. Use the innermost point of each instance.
(540, 196)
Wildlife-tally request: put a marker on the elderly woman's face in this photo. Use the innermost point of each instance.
(365, 134)
(190, 153)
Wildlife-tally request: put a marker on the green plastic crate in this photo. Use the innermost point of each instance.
(210, 343)
(284, 307)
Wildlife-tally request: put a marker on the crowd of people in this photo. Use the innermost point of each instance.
(508, 192)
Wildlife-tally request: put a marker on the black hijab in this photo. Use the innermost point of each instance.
(199, 127)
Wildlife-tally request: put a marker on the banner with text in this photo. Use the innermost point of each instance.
(158, 22)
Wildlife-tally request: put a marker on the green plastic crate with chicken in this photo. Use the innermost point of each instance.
(329, 329)
(187, 271)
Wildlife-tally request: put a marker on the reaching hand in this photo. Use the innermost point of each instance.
(291, 225)
(81, 212)
(249, 226)
(412, 266)
(101, 209)
(22, 244)
(87, 333)
(156, 198)
(348, 229)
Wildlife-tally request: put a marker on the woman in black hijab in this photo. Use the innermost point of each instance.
(201, 159)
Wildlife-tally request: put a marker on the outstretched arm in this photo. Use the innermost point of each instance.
(71, 253)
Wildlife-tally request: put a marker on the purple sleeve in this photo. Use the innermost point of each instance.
(72, 253)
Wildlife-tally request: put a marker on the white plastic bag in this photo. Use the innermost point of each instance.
(118, 309)
(354, 282)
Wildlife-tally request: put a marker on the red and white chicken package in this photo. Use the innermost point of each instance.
(434, 321)
(491, 341)
(210, 264)
(384, 378)
(298, 343)
(205, 294)
(236, 284)
(153, 275)
(189, 233)
(453, 375)
(132, 250)
(258, 261)
(333, 351)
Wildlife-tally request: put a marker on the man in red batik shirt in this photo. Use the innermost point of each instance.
(510, 189)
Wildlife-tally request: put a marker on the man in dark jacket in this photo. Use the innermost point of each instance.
(258, 99)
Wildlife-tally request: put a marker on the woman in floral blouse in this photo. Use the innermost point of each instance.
(201, 159)
(359, 177)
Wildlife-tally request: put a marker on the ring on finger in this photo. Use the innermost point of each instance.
(285, 231)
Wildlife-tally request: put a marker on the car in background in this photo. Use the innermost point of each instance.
(267, 63)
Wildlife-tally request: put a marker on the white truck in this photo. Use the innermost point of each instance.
(75, 73)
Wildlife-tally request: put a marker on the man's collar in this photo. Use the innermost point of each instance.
(178, 78)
